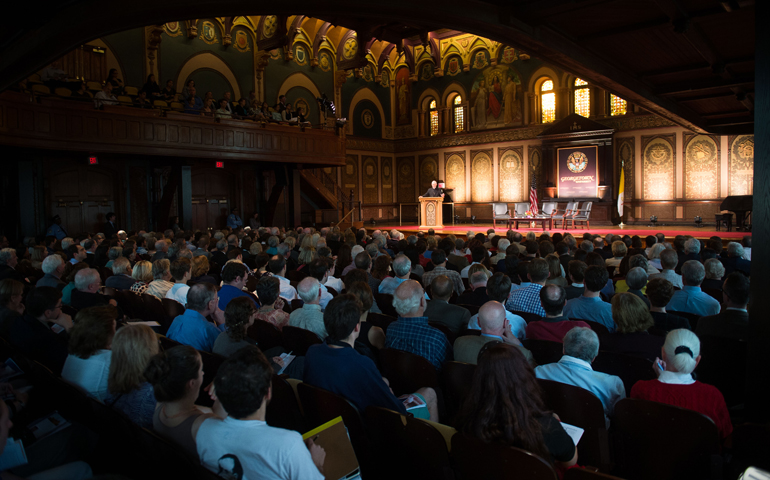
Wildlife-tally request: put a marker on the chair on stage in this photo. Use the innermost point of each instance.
(581, 215)
(500, 211)
(563, 215)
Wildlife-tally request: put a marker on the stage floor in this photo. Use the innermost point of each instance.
(642, 231)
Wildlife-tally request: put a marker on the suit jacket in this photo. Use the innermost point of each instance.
(727, 324)
(473, 297)
(120, 282)
(685, 257)
(458, 260)
(452, 316)
(90, 259)
(109, 230)
(50, 280)
(733, 264)
(467, 348)
(10, 272)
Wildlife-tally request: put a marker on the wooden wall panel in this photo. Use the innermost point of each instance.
(512, 186)
(406, 178)
(701, 167)
(658, 167)
(428, 172)
(371, 180)
(481, 176)
(387, 179)
(741, 165)
(454, 176)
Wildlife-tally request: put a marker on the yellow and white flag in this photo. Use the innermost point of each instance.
(621, 191)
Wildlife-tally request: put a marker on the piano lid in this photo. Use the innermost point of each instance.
(738, 203)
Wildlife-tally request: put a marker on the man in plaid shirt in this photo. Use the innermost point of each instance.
(438, 258)
(411, 332)
(528, 299)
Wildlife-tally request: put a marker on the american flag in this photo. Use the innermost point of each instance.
(533, 197)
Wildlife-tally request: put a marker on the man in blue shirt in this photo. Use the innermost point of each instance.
(590, 305)
(581, 346)
(192, 328)
(411, 331)
(56, 230)
(690, 298)
(528, 299)
(234, 221)
(234, 277)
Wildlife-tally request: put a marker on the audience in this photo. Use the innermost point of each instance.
(88, 284)
(142, 273)
(181, 271)
(130, 392)
(192, 328)
(527, 299)
(53, 267)
(268, 290)
(659, 293)
(121, 278)
(691, 299)
(309, 317)
(590, 305)
(439, 310)
(494, 328)
(733, 321)
(632, 318)
(554, 325)
(90, 343)
(476, 294)
(161, 273)
(371, 336)
(499, 289)
(669, 260)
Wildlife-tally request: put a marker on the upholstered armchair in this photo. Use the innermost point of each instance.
(582, 215)
(563, 215)
(500, 211)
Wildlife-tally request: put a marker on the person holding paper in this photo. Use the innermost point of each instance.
(243, 441)
(335, 365)
(504, 405)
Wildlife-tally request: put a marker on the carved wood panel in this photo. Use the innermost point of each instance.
(658, 167)
(454, 176)
(406, 178)
(387, 179)
(741, 165)
(512, 188)
(481, 176)
(428, 172)
(371, 180)
(701, 167)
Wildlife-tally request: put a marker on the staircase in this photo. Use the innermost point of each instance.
(325, 192)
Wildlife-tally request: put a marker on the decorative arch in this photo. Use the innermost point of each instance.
(384, 56)
(208, 60)
(427, 94)
(366, 93)
(536, 79)
(450, 92)
(320, 37)
(298, 79)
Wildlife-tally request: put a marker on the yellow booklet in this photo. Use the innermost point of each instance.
(341, 461)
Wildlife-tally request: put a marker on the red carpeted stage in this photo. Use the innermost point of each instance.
(642, 231)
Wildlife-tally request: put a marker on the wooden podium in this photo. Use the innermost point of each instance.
(431, 214)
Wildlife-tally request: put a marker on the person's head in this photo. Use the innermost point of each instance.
(235, 273)
(692, 245)
(596, 278)
(505, 401)
(669, 259)
(202, 297)
(243, 382)
(363, 261)
(44, 302)
(577, 270)
(121, 266)
(492, 318)
(53, 265)
(619, 249)
(93, 330)
(714, 269)
(11, 293)
(142, 271)
(309, 290)
(180, 269)
(499, 287)
(277, 265)
(656, 250)
(240, 314)
(735, 290)
(342, 316)
(659, 292)
(88, 280)
(409, 299)
(693, 273)
(318, 269)
(132, 349)
(553, 298)
(630, 313)
(268, 289)
(582, 343)
(161, 269)
(681, 351)
(636, 278)
(538, 270)
(554, 266)
(735, 249)
(477, 279)
(438, 257)
(8, 257)
(363, 293)
(434, 184)
(175, 373)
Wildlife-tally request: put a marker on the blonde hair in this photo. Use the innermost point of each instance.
(306, 255)
(681, 362)
(479, 268)
(132, 348)
(200, 266)
(619, 249)
(142, 272)
(630, 313)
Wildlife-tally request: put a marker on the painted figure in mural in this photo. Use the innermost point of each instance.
(403, 101)
(509, 101)
(496, 97)
(480, 108)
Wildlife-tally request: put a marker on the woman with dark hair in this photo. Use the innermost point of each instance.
(505, 405)
(371, 336)
(151, 87)
(186, 89)
(268, 290)
(176, 376)
(115, 82)
(344, 259)
(239, 316)
(169, 92)
(381, 267)
(632, 318)
(88, 363)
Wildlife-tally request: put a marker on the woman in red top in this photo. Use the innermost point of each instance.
(675, 385)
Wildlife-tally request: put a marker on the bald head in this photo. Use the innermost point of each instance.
(408, 299)
(492, 318)
(441, 288)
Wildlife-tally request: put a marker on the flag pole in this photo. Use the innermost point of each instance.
(621, 195)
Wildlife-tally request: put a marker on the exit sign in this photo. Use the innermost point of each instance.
(92, 160)
(220, 164)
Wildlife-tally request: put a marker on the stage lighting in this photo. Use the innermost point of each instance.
(698, 221)
(653, 221)
(473, 218)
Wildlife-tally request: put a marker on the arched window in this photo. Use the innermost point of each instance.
(582, 98)
(547, 102)
(459, 114)
(618, 106)
(433, 118)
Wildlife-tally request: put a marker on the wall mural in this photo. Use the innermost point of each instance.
(403, 97)
(481, 176)
(741, 165)
(701, 167)
(511, 174)
(658, 173)
(405, 192)
(496, 98)
(387, 179)
(454, 176)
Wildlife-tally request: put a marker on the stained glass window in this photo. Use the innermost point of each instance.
(433, 119)
(618, 105)
(582, 98)
(459, 114)
(547, 102)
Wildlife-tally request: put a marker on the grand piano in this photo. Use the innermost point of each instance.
(741, 205)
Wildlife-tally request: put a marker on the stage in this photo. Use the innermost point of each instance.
(642, 231)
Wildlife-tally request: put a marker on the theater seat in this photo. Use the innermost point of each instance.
(495, 461)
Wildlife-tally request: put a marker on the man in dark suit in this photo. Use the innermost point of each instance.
(121, 278)
(476, 294)
(53, 267)
(90, 246)
(733, 321)
(110, 228)
(576, 273)
(494, 328)
(734, 261)
(439, 309)
(434, 191)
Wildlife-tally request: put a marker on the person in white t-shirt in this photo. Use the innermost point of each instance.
(181, 270)
(242, 445)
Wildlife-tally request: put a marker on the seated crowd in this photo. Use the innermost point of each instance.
(494, 302)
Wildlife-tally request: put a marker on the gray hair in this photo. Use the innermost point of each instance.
(598, 242)
(587, 246)
(402, 265)
(714, 268)
(638, 261)
(283, 248)
(477, 278)
(221, 244)
(372, 249)
(50, 263)
(503, 245)
(159, 245)
(308, 289)
(218, 235)
(66, 242)
(272, 241)
(682, 362)
(86, 277)
(735, 249)
(115, 252)
(199, 296)
(411, 239)
(692, 245)
(636, 278)
(120, 265)
(582, 343)
(693, 272)
(656, 250)
(405, 305)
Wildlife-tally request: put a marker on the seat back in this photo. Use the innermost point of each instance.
(474, 309)
(63, 92)
(579, 407)
(528, 316)
(380, 320)
(571, 206)
(544, 351)
(154, 311)
(172, 308)
(723, 364)
(586, 474)
(41, 89)
(266, 335)
(133, 91)
(691, 317)
(298, 340)
(450, 336)
(655, 440)
(548, 208)
(211, 363)
(385, 302)
(629, 369)
(407, 444)
(499, 209)
(406, 371)
(284, 410)
(457, 378)
(521, 208)
(595, 326)
(496, 461)
(129, 302)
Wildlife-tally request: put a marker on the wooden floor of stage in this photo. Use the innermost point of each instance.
(641, 230)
